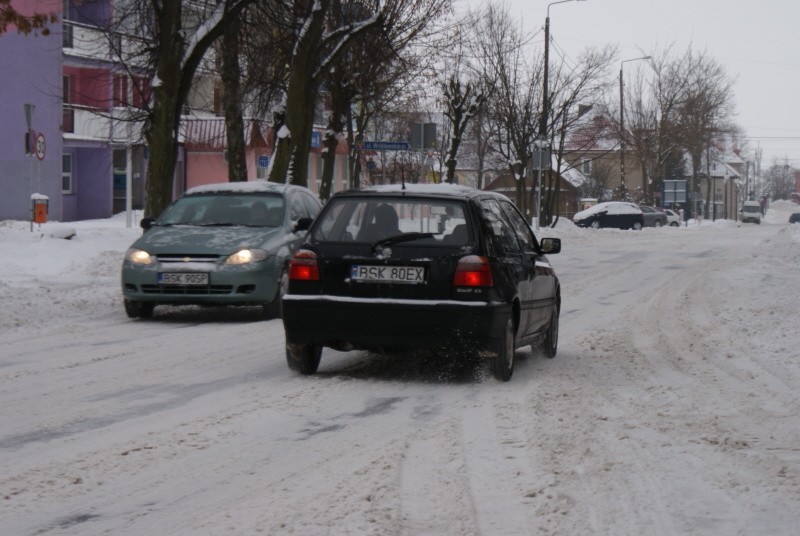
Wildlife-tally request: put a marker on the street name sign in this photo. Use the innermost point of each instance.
(387, 145)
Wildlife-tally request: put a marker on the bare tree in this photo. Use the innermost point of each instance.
(599, 180)
(316, 46)
(25, 24)
(781, 179)
(504, 60)
(704, 109)
(232, 101)
(582, 83)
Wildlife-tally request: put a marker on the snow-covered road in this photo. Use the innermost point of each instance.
(673, 406)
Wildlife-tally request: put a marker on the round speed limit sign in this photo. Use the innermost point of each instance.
(40, 146)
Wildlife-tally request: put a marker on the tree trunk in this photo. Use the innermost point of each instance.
(291, 151)
(162, 130)
(232, 103)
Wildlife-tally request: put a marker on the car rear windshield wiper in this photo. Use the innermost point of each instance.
(405, 237)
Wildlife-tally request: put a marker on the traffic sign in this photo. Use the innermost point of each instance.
(263, 161)
(387, 145)
(40, 146)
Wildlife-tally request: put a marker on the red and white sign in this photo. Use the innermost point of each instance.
(40, 146)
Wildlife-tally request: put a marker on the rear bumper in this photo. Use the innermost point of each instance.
(393, 325)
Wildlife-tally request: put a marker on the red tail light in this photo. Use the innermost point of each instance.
(473, 271)
(303, 266)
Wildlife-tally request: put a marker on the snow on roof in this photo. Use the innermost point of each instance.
(443, 188)
(610, 207)
(242, 186)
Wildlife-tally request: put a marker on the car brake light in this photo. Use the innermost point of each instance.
(303, 266)
(473, 271)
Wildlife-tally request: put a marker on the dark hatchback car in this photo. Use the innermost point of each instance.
(426, 267)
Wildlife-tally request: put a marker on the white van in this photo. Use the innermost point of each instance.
(751, 211)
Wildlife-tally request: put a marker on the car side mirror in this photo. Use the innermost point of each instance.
(302, 224)
(550, 245)
(147, 223)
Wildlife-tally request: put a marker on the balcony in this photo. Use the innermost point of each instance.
(93, 125)
(87, 42)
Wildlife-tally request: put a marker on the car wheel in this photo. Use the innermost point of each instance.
(549, 345)
(595, 224)
(137, 309)
(304, 358)
(637, 226)
(658, 223)
(503, 363)
(673, 224)
(273, 309)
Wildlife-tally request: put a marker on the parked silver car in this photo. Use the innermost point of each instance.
(653, 217)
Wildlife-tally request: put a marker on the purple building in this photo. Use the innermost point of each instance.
(69, 86)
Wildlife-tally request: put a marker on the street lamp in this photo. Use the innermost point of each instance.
(623, 190)
(545, 102)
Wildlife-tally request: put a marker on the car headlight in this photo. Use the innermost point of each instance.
(244, 256)
(138, 256)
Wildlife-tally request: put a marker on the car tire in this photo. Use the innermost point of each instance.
(658, 223)
(137, 309)
(637, 226)
(549, 346)
(673, 224)
(274, 309)
(595, 224)
(304, 358)
(503, 362)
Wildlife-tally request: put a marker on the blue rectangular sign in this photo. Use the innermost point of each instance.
(387, 145)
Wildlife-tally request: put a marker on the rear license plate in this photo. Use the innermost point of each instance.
(183, 278)
(387, 274)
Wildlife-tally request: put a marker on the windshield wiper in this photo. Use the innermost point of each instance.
(219, 224)
(405, 237)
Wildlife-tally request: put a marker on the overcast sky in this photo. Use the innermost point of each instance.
(757, 42)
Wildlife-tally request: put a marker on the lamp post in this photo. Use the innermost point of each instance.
(622, 189)
(545, 97)
(542, 139)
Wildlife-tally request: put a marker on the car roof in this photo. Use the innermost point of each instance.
(243, 187)
(444, 190)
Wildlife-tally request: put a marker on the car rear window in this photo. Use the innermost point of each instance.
(366, 220)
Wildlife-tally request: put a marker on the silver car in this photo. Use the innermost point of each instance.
(653, 217)
(218, 244)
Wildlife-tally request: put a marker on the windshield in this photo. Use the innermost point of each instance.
(751, 208)
(250, 209)
(393, 220)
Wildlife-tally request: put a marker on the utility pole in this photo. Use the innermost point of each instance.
(545, 105)
(623, 190)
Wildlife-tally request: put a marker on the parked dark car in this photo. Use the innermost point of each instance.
(616, 214)
(218, 244)
(653, 217)
(422, 267)
(794, 218)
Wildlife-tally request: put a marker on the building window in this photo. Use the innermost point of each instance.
(66, 173)
(586, 166)
(65, 96)
(120, 90)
